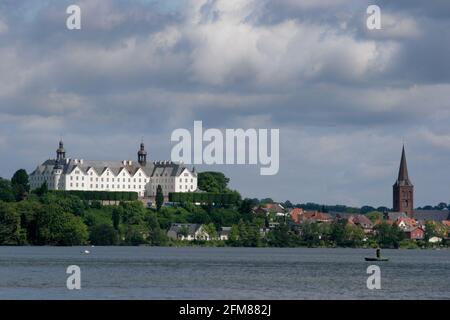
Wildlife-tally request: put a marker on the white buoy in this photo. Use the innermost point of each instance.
(86, 252)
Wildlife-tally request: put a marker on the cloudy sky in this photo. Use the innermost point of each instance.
(344, 97)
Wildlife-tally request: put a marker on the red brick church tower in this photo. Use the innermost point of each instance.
(403, 189)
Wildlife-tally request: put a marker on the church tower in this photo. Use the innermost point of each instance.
(60, 152)
(142, 155)
(403, 189)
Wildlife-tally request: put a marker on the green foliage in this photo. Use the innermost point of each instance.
(135, 235)
(282, 236)
(248, 235)
(210, 229)
(99, 195)
(9, 224)
(184, 231)
(103, 235)
(159, 197)
(219, 199)
(42, 190)
(434, 229)
(20, 184)
(79, 217)
(408, 244)
(57, 227)
(388, 236)
(29, 211)
(374, 216)
(213, 182)
(93, 217)
(6, 191)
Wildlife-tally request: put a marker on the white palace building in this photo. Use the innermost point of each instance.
(137, 176)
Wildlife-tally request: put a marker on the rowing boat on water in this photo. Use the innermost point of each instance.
(375, 259)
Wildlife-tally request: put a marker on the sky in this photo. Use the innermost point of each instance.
(345, 98)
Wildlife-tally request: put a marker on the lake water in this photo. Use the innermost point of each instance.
(221, 273)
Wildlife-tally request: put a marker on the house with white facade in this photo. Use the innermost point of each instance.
(188, 231)
(138, 176)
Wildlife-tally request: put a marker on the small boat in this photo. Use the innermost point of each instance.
(375, 259)
(86, 252)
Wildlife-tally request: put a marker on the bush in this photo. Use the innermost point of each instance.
(104, 235)
(99, 195)
(408, 244)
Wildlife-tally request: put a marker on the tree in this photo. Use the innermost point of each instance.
(42, 190)
(6, 191)
(246, 207)
(28, 211)
(210, 229)
(280, 236)
(135, 235)
(441, 206)
(366, 209)
(212, 181)
(20, 184)
(337, 232)
(116, 217)
(57, 227)
(374, 216)
(288, 204)
(388, 236)
(234, 233)
(184, 231)
(159, 197)
(104, 235)
(310, 233)
(9, 224)
(431, 230)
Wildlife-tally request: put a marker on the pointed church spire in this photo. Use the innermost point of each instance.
(403, 190)
(403, 177)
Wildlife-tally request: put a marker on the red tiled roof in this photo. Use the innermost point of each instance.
(408, 221)
(296, 213)
(316, 216)
(446, 223)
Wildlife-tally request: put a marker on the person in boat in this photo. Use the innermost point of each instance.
(378, 253)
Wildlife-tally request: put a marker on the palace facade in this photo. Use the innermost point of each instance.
(138, 176)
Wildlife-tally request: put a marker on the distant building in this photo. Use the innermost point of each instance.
(405, 223)
(224, 233)
(393, 216)
(361, 221)
(415, 233)
(403, 189)
(270, 208)
(139, 176)
(188, 231)
(296, 213)
(315, 216)
(432, 215)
